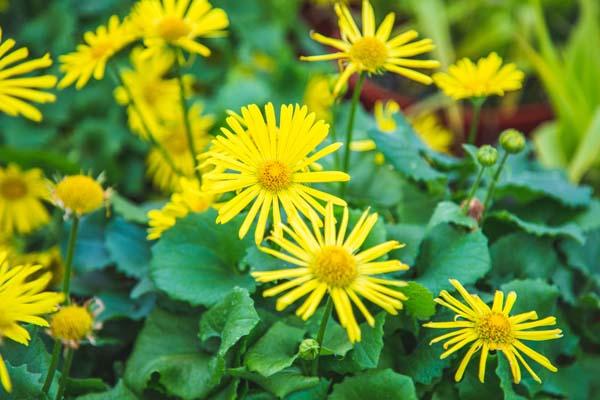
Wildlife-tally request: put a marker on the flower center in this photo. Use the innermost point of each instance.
(335, 266)
(13, 188)
(274, 176)
(176, 142)
(172, 28)
(80, 194)
(494, 328)
(101, 49)
(71, 323)
(370, 53)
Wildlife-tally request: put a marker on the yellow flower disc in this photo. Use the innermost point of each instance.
(80, 194)
(72, 323)
(335, 266)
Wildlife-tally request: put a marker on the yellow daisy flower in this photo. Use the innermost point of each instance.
(51, 259)
(488, 77)
(373, 51)
(268, 163)
(189, 198)
(330, 262)
(22, 300)
(73, 323)
(178, 23)
(91, 57)
(80, 194)
(172, 136)
(21, 195)
(490, 329)
(16, 90)
(318, 97)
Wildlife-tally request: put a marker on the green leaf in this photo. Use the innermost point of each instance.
(420, 300)
(26, 384)
(167, 350)
(587, 153)
(119, 392)
(378, 384)
(570, 229)
(586, 257)
(335, 341)
(128, 210)
(50, 162)
(409, 234)
(448, 252)
(77, 386)
(229, 320)
(533, 295)
(449, 212)
(506, 379)
(197, 260)
(275, 350)
(128, 247)
(423, 364)
(280, 384)
(90, 248)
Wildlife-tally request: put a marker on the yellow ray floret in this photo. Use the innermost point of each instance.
(91, 57)
(492, 329)
(371, 50)
(267, 164)
(329, 262)
(488, 77)
(17, 91)
(21, 196)
(23, 299)
(178, 23)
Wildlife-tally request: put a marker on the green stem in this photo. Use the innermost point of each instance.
(52, 368)
(350, 128)
(186, 119)
(492, 187)
(151, 138)
(477, 104)
(321, 334)
(474, 188)
(65, 373)
(69, 261)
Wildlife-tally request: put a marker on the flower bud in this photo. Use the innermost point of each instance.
(487, 155)
(512, 141)
(309, 349)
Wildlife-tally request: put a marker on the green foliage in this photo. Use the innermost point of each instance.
(378, 384)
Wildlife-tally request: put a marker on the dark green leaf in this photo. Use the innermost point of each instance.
(570, 230)
(128, 247)
(449, 212)
(119, 392)
(378, 384)
(280, 384)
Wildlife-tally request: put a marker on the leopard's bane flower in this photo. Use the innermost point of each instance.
(23, 299)
(329, 262)
(73, 323)
(179, 23)
(371, 50)
(492, 329)
(268, 164)
(79, 194)
(15, 89)
(91, 57)
(488, 77)
(21, 195)
(318, 97)
(188, 198)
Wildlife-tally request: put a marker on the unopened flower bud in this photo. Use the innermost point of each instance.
(487, 155)
(512, 141)
(309, 349)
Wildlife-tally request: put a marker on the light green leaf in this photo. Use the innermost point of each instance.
(229, 320)
(128, 210)
(411, 235)
(280, 384)
(377, 384)
(449, 212)
(588, 150)
(127, 245)
(420, 300)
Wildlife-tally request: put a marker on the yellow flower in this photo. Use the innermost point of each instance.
(318, 97)
(16, 90)
(22, 300)
(155, 97)
(90, 58)
(268, 163)
(21, 195)
(330, 262)
(372, 50)
(50, 259)
(178, 23)
(73, 323)
(489, 329)
(488, 77)
(173, 137)
(189, 198)
(79, 194)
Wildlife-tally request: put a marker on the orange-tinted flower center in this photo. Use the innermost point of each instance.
(13, 188)
(172, 28)
(274, 176)
(335, 266)
(369, 53)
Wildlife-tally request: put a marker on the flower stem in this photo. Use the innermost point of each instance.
(69, 261)
(321, 334)
(350, 128)
(65, 373)
(186, 119)
(465, 206)
(492, 187)
(477, 104)
(52, 367)
(151, 138)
